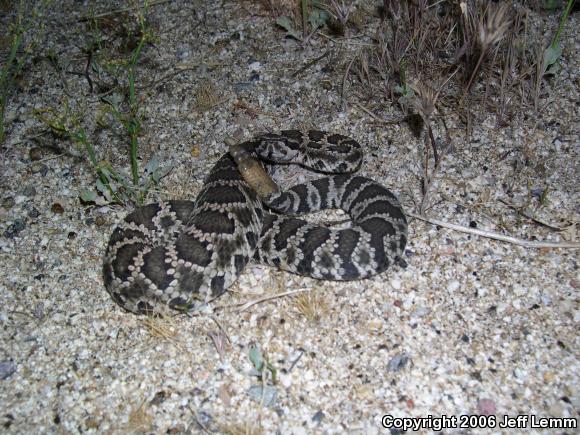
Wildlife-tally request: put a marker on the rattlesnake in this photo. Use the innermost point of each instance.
(182, 254)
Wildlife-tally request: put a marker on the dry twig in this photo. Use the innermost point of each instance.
(118, 11)
(245, 306)
(310, 64)
(496, 236)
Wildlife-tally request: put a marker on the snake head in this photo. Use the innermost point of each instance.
(277, 148)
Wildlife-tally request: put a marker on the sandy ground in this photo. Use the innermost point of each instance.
(470, 326)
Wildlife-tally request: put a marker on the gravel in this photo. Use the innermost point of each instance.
(466, 325)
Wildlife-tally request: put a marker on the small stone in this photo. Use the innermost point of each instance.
(453, 286)
(281, 101)
(57, 208)
(195, 150)
(35, 154)
(29, 191)
(100, 221)
(398, 362)
(318, 417)
(363, 392)
(91, 423)
(8, 420)
(204, 418)
(34, 213)
(39, 168)
(7, 369)
(8, 202)
(486, 407)
(177, 429)
(159, 398)
(399, 261)
(263, 394)
(38, 311)
(243, 86)
(420, 312)
(13, 230)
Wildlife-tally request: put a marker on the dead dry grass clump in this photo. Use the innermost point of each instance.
(312, 305)
(466, 59)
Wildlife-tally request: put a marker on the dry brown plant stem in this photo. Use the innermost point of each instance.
(118, 11)
(245, 306)
(497, 236)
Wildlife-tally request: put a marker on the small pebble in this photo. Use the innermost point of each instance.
(39, 168)
(243, 86)
(486, 407)
(7, 369)
(29, 191)
(15, 228)
(57, 208)
(398, 362)
(33, 213)
(100, 220)
(453, 286)
(8, 202)
(281, 101)
(318, 417)
(159, 398)
(35, 154)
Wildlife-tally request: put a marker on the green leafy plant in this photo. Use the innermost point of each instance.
(550, 59)
(265, 392)
(314, 16)
(130, 119)
(113, 185)
(549, 63)
(261, 364)
(403, 89)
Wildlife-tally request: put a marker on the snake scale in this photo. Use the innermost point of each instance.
(182, 254)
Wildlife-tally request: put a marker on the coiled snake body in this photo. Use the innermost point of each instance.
(181, 254)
